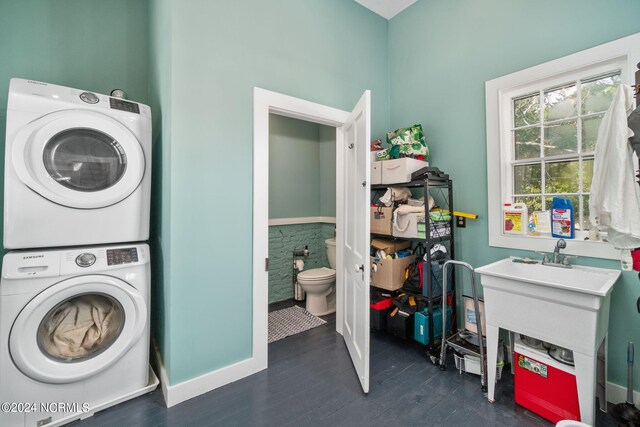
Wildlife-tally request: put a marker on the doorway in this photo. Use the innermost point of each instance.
(302, 203)
(352, 182)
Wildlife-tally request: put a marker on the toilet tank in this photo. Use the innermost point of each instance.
(331, 252)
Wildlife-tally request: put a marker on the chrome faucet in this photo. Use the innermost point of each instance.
(556, 252)
(558, 260)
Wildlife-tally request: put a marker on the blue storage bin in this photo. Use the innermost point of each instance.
(421, 324)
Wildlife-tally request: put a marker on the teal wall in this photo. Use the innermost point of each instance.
(302, 168)
(327, 137)
(85, 44)
(160, 49)
(294, 168)
(440, 54)
(331, 51)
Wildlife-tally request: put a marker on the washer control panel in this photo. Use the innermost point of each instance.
(122, 256)
(52, 263)
(86, 259)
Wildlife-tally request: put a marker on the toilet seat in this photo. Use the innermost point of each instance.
(317, 275)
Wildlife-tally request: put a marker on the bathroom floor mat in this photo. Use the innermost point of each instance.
(291, 321)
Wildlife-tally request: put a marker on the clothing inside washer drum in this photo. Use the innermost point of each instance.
(81, 327)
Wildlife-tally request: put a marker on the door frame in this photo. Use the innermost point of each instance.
(266, 102)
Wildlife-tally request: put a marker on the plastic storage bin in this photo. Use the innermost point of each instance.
(471, 364)
(400, 326)
(379, 311)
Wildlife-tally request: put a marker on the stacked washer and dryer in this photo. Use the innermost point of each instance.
(74, 292)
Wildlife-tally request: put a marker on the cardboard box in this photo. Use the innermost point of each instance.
(390, 246)
(390, 273)
(400, 170)
(381, 220)
(470, 316)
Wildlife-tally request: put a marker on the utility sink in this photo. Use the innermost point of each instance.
(568, 307)
(588, 280)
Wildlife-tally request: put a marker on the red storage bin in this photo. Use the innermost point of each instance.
(378, 312)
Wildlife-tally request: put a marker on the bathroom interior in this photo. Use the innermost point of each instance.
(302, 205)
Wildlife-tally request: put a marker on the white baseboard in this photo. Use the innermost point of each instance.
(618, 394)
(303, 220)
(178, 393)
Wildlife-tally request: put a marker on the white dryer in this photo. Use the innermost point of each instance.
(74, 331)
(77, 168)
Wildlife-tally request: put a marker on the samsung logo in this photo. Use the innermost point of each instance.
(37, 83)
(33, 256)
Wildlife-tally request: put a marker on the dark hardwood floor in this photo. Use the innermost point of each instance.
(311, 382)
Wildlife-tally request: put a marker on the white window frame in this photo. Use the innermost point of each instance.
(621, 54)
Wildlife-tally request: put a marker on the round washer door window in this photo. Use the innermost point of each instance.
(77, 328)
(77, 158)
(84, 159)
(81, 327)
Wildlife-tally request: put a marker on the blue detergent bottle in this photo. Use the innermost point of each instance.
(562, 222)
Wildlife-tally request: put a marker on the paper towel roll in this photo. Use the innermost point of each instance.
(299, 264)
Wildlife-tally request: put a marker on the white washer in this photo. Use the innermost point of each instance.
(74, 330)
(77, 168)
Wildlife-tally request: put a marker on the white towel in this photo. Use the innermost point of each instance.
(614, 198)
(79, 327)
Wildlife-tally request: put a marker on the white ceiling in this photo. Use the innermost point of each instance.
(386, 8)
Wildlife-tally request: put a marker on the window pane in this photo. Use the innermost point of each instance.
(587, 175)
(598, 94)
(560, 103)
(561, 138)
(527, 143)
(586, 225)
(562, 177)
(527, 179)
(533, 203)
(526, 111)
(590, 128)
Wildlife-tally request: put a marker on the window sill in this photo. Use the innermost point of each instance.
(583, 248)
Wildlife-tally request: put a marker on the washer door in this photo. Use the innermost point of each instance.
(78, 158)
(77, 328)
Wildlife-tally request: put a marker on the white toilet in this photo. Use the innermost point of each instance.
(320, 284)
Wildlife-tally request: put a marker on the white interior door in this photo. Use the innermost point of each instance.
(353, 214)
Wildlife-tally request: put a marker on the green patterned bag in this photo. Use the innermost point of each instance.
(408, 142)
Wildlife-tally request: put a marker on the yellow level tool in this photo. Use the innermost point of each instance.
(464, 214)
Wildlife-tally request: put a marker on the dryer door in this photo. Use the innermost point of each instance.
(77, 328)
(78, 158)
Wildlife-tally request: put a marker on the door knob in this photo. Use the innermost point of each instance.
(359, 268)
